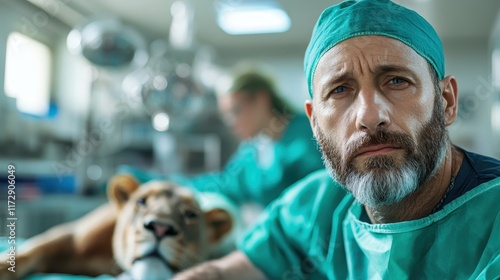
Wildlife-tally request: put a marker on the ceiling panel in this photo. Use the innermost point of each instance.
(452, 19)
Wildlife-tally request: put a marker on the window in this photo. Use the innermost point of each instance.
(27, 74)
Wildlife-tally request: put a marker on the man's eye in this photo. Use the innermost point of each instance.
(397, 81)
(340, 89)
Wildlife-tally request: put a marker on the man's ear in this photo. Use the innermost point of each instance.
(219, 222)
(308, 105)
(120, 187)
(449, 92)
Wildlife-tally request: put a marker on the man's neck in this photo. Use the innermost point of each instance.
(422, 202)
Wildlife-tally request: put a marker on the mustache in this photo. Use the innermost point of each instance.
(380, 137)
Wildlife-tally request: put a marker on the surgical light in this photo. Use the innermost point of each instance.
(253, 19)
(161, 121)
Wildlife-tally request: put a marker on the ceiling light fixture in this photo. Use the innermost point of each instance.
(256, 17)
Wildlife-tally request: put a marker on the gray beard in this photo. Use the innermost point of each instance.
(384, 182)
(375, 188)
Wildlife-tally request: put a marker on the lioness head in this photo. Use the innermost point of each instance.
(160, 227)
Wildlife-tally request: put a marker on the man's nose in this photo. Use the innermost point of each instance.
(372, 111)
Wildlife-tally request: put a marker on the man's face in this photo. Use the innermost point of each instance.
(377, 118)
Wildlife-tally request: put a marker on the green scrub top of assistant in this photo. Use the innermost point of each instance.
(314, 232)
(248, 177)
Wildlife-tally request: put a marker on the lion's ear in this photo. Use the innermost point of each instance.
(219, 222)
(120, 187)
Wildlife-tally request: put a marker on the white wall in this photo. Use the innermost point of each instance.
(494, 44)
(469, 60)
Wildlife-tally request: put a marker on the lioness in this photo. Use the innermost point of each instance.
(153, 231)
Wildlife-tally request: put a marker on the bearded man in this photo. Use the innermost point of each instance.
(404, 202)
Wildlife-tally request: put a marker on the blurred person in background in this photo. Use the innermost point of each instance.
(277, 145)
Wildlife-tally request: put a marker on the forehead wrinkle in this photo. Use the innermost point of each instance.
(363, 61)
(377, 49)
(398, 55)
(359, 58)
(336, 72)
(329, 81)
(367, 54)
(352, 64)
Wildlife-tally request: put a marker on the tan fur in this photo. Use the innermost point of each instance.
(86, 246)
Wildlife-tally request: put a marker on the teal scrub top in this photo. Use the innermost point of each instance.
(314, 232)
(249, 178)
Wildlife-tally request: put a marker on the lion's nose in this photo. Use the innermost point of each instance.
(161, 229)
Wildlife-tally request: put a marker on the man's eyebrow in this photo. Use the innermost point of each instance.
(380, 69)
(335, 78)
(393, 68)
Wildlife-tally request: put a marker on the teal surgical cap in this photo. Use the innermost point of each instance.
(372, 17)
